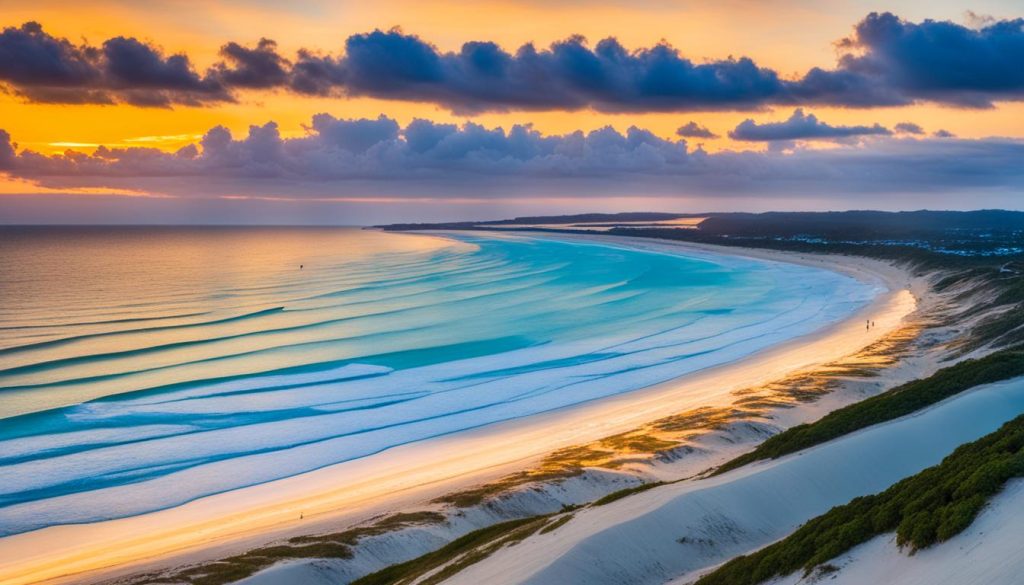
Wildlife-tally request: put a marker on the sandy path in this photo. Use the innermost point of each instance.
(352, 491)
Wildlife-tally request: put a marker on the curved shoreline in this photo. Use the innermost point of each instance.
(413, 473)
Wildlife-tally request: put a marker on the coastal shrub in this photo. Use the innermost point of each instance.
(900, 401)
(924, 509)
(1003, 329)
(238, 567)
(335, 545)
(618, 495)
(555, 525)
(464, 546)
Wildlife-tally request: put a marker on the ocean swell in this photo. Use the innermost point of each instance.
(296, 370)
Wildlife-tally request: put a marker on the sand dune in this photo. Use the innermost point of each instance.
(211, 526)
(676, 531)
(987, 553)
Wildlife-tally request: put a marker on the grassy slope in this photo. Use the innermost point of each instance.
(890, 405)
(460, 553)
(924, 509)
(336, 545)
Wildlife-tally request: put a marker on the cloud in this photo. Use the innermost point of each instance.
(568, 75)
(357, 136)
(143, 76)
(943, 134)
(976, 20)
(887, 61)
(908, 128)
(7, 151)
(801, 126)
(378, 158)
(44, 68)
(891, 61)
(343, 150)
(30, 56)
(694, 130)
(260, 67)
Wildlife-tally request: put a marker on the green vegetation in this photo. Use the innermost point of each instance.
(382, 526)
(626, 492)
(458, 554)
(913, 255)
(1006, 327)
(560, 465)
(637, 443)
(241, 566)
(557, 524)
(890, 405)
(335, 545)
(927, 508)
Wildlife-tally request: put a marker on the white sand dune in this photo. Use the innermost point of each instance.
(989, 552)
(677, 531)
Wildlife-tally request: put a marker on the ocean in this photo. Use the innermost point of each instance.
(142, 368)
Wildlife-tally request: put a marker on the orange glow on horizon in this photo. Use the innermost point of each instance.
(15, 186)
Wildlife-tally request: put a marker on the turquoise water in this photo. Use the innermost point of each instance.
(143, 368)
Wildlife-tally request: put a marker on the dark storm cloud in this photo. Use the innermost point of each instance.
(145, 77)
(939, 60)
(43, 68)
(801, 126)
(567, 75)
(694, 130)
(885, 62)
(7, 154)
(843, 88)
(260, 67)
(29, 56)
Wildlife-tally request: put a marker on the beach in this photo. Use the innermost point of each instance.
(403, 476)
(534, 293)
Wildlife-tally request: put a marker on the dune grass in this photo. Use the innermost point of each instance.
(460, 553)
(930, 507)
(336, 545)
(552, 526)
(899, 401)
(618, 495)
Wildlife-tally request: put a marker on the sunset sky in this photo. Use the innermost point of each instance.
(252, 111)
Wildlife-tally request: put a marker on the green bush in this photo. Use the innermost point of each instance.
(930, 507)
(899, 401)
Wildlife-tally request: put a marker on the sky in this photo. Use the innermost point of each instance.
(318, 112)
